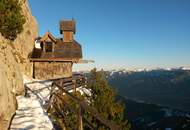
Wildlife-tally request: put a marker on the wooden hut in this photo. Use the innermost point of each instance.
(53, 57)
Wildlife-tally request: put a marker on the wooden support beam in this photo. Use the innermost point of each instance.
(74, 82)
(91, 110)
(80, 127)
(89, 125)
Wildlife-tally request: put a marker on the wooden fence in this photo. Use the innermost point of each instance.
(64, 85)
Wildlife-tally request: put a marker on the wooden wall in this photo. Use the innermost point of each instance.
(51, 70)
(67, 36)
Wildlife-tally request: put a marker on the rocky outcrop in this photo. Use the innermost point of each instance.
(25, 40)
(11, 83)
(13, 64)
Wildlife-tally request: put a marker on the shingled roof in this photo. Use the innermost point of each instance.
(67, 26)
(63, 51)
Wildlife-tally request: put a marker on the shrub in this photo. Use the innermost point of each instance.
(12, 19)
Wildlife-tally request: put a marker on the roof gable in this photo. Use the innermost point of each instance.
(48, 35)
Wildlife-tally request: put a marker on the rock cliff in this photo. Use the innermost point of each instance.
(25, 40)
(13, 64)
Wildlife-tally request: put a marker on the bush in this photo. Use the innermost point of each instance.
(12, 20)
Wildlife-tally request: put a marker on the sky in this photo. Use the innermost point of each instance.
(120, 34)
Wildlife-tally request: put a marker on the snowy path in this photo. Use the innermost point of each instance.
(30, 114)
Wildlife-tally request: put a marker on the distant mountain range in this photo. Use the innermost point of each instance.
(154, 99)
(166, 87)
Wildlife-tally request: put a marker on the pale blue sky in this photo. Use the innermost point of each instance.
(123, 33)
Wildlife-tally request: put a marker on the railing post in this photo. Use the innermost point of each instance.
(80, 118)
(74, 81)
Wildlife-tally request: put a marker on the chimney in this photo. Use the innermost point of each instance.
(67, 28)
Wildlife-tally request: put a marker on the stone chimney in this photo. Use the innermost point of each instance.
(67, 28)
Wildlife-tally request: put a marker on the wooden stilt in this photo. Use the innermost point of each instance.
(80, 118)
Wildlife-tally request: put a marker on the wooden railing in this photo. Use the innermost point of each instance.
(64, 86)
(71, 83)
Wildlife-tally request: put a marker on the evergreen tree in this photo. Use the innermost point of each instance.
(12, 20)
(103, 99)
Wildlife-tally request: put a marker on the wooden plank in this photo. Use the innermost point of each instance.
(67, 84)
(54, 59)
(61, 81)
(86, 61)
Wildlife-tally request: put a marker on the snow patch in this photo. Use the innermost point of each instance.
(30, 113)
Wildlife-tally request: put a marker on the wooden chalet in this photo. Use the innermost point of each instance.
(53, 57)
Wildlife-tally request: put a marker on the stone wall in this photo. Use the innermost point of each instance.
(52, 70)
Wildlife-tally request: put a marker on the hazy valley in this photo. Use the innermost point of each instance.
(154, 99)
(163, 87)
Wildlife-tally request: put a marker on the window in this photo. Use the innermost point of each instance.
(49, 46)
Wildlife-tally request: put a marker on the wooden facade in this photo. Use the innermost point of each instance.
(52, 70)
(53, 57)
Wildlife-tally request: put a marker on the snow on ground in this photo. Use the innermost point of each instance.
(30, 114)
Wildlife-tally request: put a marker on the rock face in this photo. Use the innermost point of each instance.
(25, 40)
(10, 83)
(13, 64)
